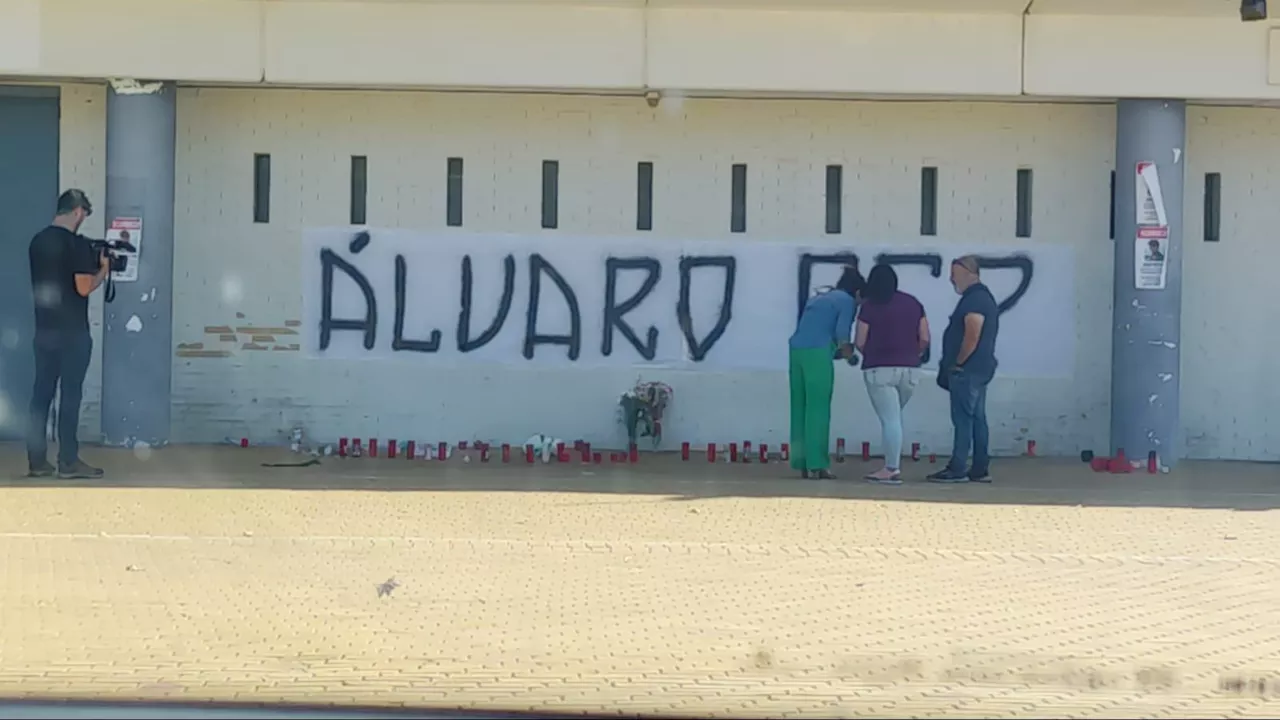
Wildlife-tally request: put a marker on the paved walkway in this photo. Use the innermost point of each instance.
(664, 588)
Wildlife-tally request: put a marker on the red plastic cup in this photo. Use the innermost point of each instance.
(684, 452)
(410, 450)
(373, 447)
(244, 442)
(342, 447)
(442, 451)
(785, 454)
(915, 451)
(866, 451)
(1031, 448)
(733, 452)
(633, 454)
(391, 449)
(506, 452)
(764, 454)
(711, 452)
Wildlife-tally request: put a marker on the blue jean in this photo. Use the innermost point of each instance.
(889, 389)
(969, 417)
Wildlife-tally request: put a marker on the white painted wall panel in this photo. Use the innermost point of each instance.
(1147, 56)
(20, 37)
(1229, 394)
(209, 40)
(236, 279)
(454, 44)
(835, 52)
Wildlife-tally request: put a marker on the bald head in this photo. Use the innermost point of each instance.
(965, 272)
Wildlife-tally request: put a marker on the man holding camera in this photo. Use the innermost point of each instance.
(65, 269)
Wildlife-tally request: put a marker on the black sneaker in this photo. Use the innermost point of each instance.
(949, 477)
(42, 470)
(79, 470)
(980, 477)
(822, 475)
(804, 474)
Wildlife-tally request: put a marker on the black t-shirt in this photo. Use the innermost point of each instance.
(57, 256)
(977, 299)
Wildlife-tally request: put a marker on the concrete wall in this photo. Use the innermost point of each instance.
(1195, 49)
(234, 275)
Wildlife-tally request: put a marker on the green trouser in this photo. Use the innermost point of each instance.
(813, 379)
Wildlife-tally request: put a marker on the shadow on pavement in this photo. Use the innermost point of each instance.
(1022, 481)
(92, 710)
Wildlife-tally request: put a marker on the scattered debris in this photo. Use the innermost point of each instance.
(386, 588)
(248, 533)
(132, 568)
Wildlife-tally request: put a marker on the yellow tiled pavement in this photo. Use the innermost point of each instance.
(687, 590)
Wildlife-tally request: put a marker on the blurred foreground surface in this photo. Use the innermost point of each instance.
(199, 575)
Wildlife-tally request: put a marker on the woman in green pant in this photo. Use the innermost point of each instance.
(823, 330)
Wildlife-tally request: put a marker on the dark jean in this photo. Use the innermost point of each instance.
(969, 417)
(64, 360)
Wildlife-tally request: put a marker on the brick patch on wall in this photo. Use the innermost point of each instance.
(250, 337)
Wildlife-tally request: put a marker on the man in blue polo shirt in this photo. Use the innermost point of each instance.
(968, 365)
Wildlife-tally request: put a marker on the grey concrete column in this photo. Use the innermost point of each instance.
(1145, 411)
(137, 337)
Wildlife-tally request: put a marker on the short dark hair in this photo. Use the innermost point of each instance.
(851, 281)
(882, 283)
(74, 199)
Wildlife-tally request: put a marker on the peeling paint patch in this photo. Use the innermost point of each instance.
(1165, 377)
(190, 346)
(218, 329)
(295, 346)
(252, 346)
(230, 337)
(285, 348)
(1165, 343)
(134, 324)
(239, 316)
(264, 338)
(204, 353)
(1151, 400)
(293, 323)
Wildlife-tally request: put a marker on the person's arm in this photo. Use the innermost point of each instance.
(972, 333)
(924, 337)
(860, 339)
(844, 327)
(90, 270)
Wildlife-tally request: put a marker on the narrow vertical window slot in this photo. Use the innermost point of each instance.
(835, 198)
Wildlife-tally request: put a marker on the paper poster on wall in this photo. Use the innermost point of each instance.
(1150, 199)
(1151, 242)
(1150, 258)
(399, 295)
(126, 230)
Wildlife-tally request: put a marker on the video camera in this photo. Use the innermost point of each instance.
(113, 249)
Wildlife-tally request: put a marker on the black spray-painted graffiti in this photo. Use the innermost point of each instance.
(615, 310)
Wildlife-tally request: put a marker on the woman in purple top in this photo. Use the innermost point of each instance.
(892, 334)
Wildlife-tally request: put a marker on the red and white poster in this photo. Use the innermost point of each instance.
(1151, 243)
(128, 230)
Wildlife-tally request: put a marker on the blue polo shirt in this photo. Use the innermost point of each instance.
(982, 363)
(827, 319)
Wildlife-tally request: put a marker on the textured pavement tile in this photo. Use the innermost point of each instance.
(666, 589)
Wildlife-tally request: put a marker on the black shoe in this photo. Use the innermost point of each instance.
(949, 477)
(79, 470)
(804, 474)
(823, 475)
(41, 470)
(980, 477)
